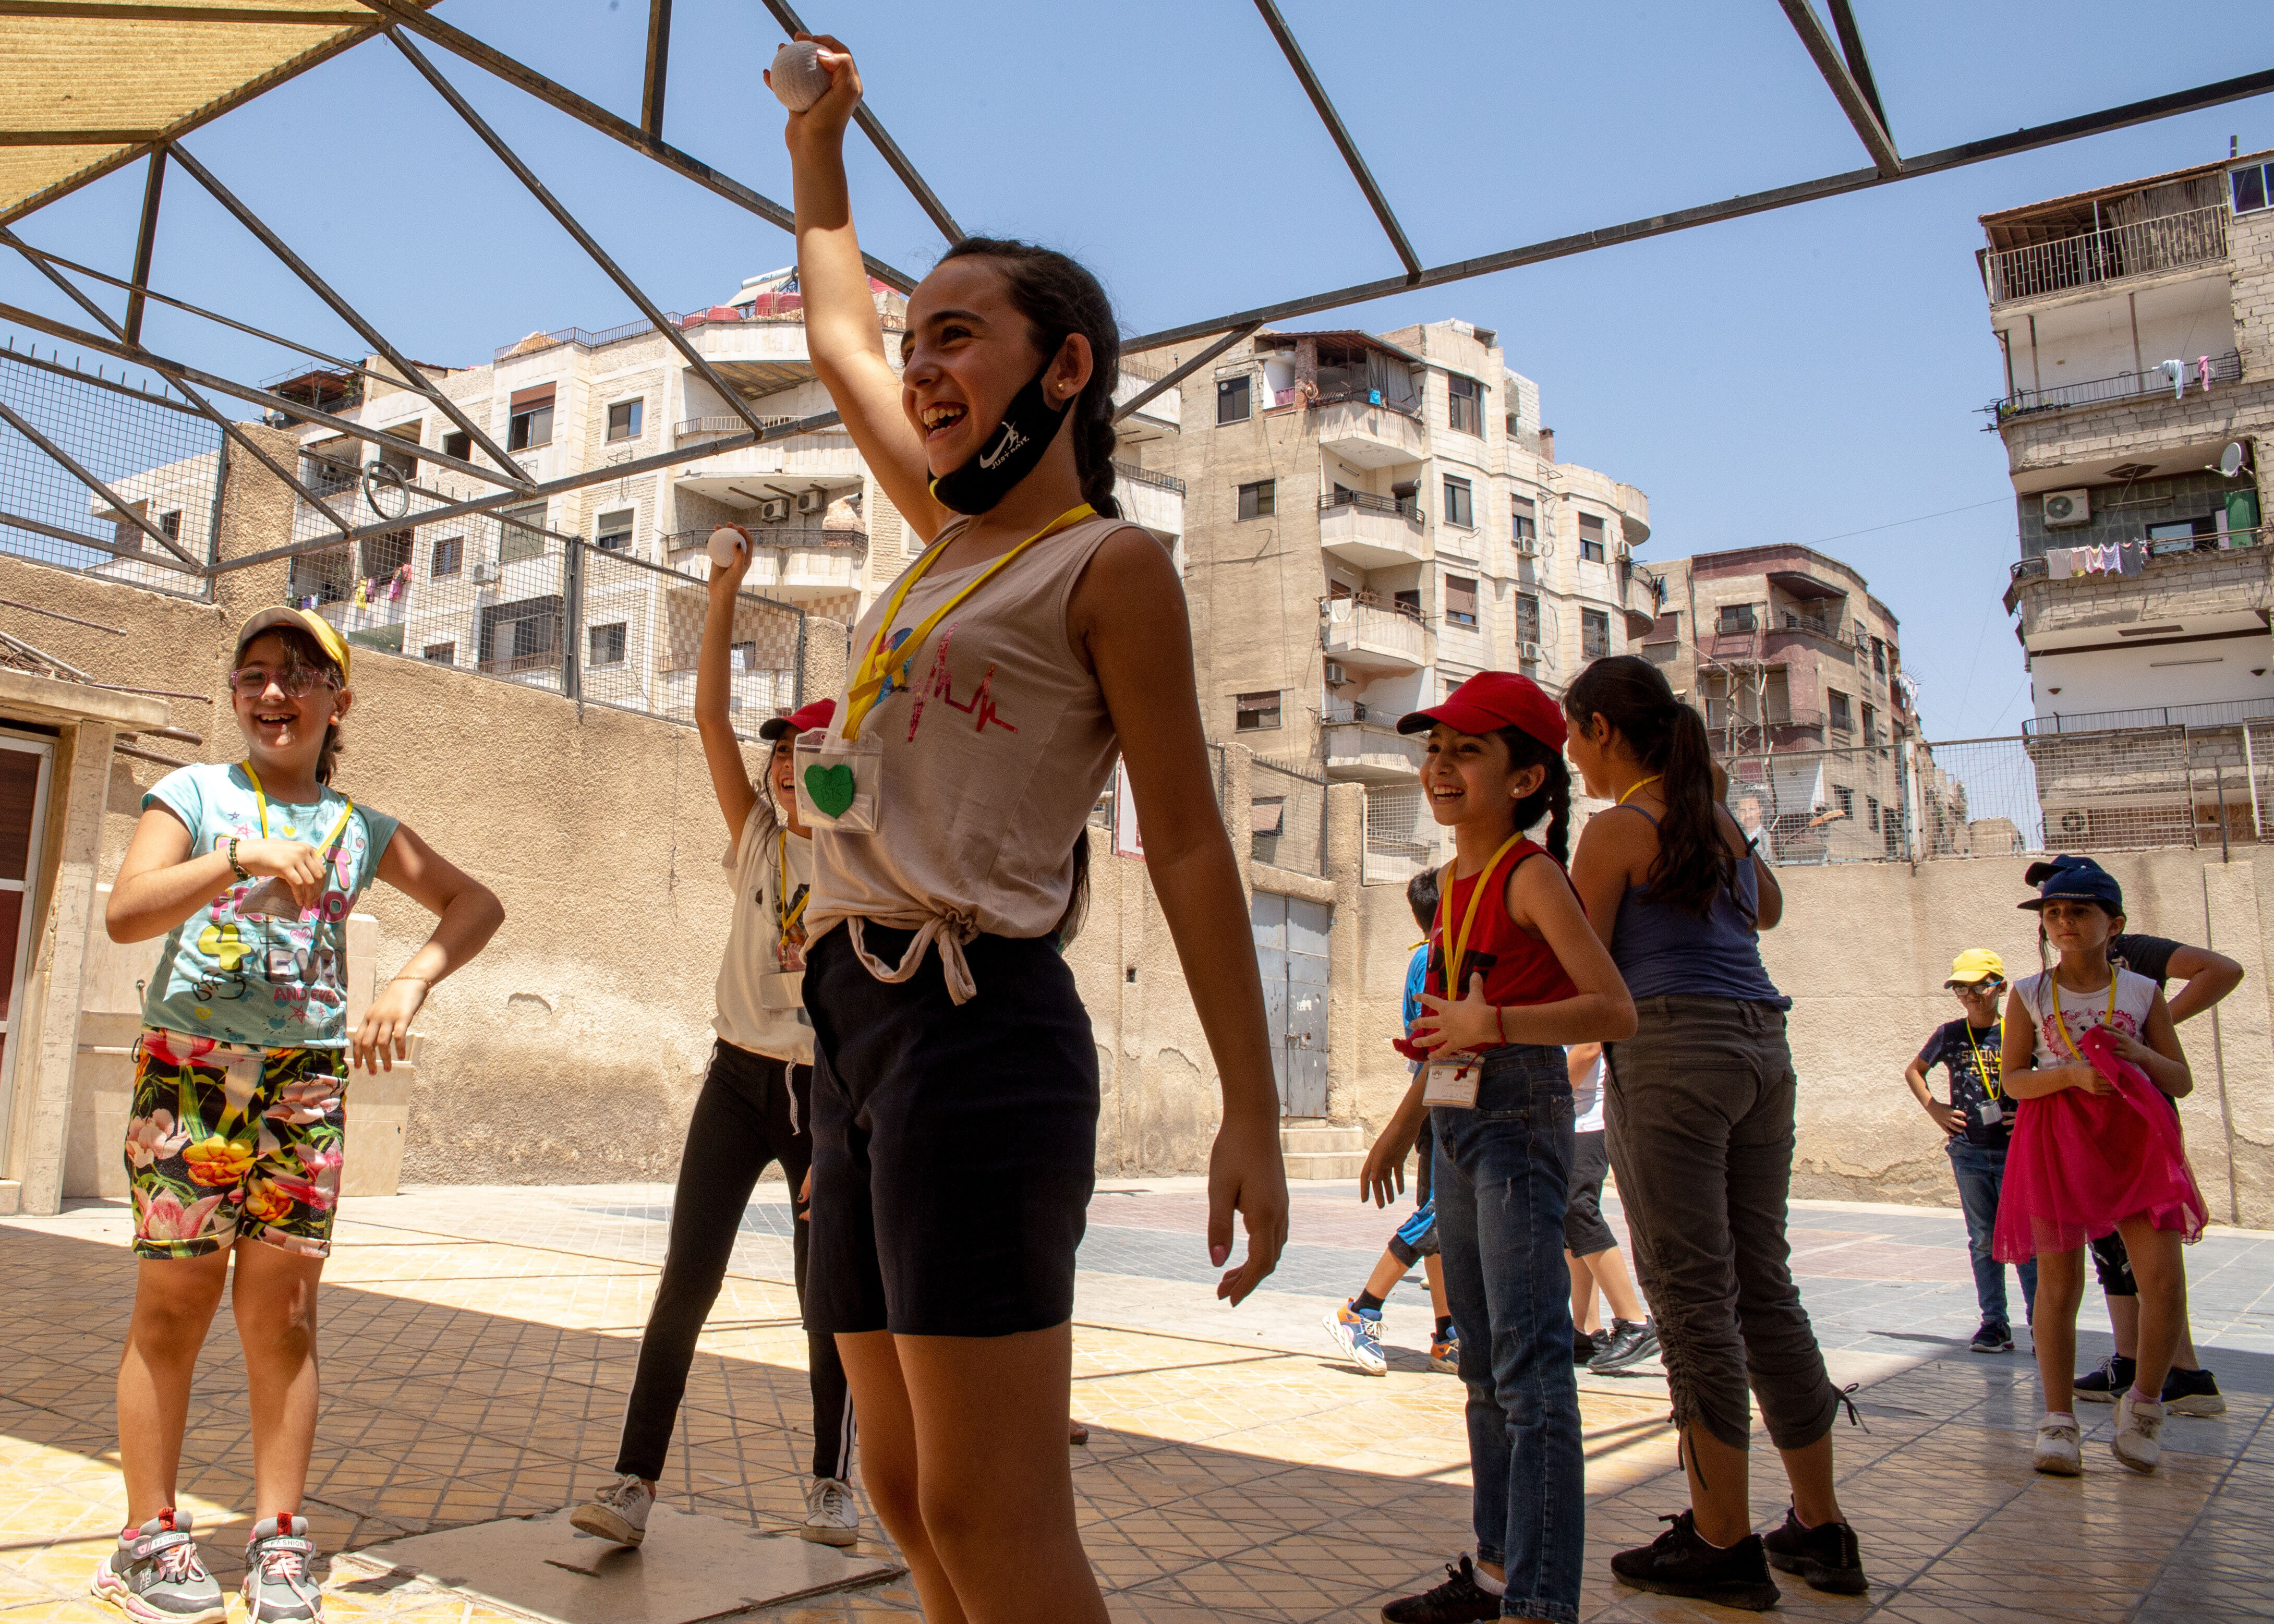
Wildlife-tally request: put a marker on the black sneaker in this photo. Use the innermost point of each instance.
(2107, 1384)
(1587, 1344)
(1679, 1562)
(1995, 1337)
(1826, 1556)
(1459, 1600)
(2192, 1393)
(1630, 1345)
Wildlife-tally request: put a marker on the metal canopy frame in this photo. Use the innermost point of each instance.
(1838, 55)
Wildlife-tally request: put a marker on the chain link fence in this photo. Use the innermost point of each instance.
(1402, 838)
(160, 458)
(1287, 817)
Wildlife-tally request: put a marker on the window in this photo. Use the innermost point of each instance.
(1870, 726)
(169, 524)
(1460, 600)
(1594, 634)
(441, 653)
(1528, 618)
(447, 557)
(1259, 501)
(1407, 602)
(531, 419)
(1527, 519)
(606, 645)
(521, 532)
(1736, 617)
(615, 530)
(741, 657)
(1847, 800)
(1871, 813)
(460, 446)
(1253, 712)
(520, 637)
(2251, 190)
(1468, 403)
(1842, 719)
(1460, 510)
(1233, 402)
(624, 420)
(1863, 635)
(1591, 538)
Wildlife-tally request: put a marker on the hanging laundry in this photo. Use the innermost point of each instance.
(394, 586)
(2202, 373)
(2112, 558)
(362, 599)
(2177, 372)
(2056, 562)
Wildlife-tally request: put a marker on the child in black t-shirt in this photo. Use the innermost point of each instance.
(1976, 1122)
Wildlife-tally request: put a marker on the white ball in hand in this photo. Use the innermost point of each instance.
(726, 543)
(798, 76)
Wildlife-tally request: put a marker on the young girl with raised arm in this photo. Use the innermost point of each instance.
(1700, 1119)
(956, 1085)
(238, 1126)
(2092, 1059)
(1515, 974)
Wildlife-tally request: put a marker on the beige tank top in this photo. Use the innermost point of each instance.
(992, 762)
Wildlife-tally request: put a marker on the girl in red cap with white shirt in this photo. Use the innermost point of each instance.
(1515, 974)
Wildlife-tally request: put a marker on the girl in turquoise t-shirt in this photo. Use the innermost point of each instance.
(239, 1124)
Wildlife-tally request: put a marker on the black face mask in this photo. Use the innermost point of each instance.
(1010, 454)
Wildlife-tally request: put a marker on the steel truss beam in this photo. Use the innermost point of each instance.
(585, 240)
(658, 68)
(55, 532)
(136, 352)
(1733, 208)
(1162, 386)
(267, 16)
(1294, 52)
(146, 242)
(1859, 108)
(887, 148)
(70, 465)
(411, 377)
(1859, 65)
(459, 43)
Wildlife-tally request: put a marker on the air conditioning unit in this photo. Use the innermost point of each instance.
(1335, 675)
(1528, 547)
(774, 510)
(1530, 651)
(2066, 507)
(1623, 554)
(815, 500)
(486, 574)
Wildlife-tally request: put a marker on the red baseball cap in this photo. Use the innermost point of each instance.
(816, 715)
(1492, 700)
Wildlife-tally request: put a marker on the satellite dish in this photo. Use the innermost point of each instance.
(2230, 461)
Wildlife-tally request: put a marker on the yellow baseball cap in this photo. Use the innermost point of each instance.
(327, 635)
(1976, 964)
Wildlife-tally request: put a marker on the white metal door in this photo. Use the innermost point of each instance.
(24, 766)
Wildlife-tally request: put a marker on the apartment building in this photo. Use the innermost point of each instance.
(1798, 670)
(620, 615)
(1373, 519)
(2133, 325)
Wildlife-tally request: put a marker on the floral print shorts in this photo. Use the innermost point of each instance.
(227, 1141)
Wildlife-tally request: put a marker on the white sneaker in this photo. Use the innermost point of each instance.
(1359, 1337)
(2058, 1453)
(2138, 1421)
(617, 1513)
(831, 1515)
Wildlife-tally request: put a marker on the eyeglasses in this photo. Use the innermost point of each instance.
(1964, 987)
(251, 681)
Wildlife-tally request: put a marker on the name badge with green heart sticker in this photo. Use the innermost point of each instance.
(830, 788)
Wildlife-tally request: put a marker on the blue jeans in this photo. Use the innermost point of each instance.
(1981, 1172)
(1500, 1177)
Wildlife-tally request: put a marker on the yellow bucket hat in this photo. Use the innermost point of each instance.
(1976, 964)
(327, 635)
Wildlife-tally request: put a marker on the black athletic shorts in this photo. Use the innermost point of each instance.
(1584, 1232)
(954, 1146)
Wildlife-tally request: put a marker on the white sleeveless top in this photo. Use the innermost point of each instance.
(992, 762)
(2136, 996)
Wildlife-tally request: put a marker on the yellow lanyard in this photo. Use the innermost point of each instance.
(1457, 960)
(1642, 784)
(2053, 977)
(870, 681)
(1982, 1066)
(786, 916)
(260, 800)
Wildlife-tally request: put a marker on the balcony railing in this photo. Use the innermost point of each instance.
(2218, 713)
(772, 310)
(2169, 243)
(1146, 475)
(1366, 501)
(728, 424)
(2173, 551)
(807, 537)
(2197, 372)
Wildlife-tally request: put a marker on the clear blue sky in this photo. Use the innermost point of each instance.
(1799, 376)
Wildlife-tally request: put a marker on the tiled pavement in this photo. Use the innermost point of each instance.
(479, 1344)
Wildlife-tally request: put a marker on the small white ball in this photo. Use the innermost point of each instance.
(726, 542)
(799, 79)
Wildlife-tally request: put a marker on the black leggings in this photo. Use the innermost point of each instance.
(741, 1122)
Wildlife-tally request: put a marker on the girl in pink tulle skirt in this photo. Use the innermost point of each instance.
(2091, 1068)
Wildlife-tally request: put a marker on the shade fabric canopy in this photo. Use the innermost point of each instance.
(87, 86)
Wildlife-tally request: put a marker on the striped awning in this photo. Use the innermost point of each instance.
(86, 86)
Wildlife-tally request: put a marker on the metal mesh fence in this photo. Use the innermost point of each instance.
(1822, 806)
(1401, 837)
(161, 459)
(1287, 817)
(500, 594)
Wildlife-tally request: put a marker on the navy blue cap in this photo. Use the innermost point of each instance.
(2073, 879)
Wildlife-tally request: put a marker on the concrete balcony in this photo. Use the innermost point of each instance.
(2073, 264)
(1369, 436)
(1370, 752)
(1155, 500)
(1377, 639)
(828, 455)
(1369, 532)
